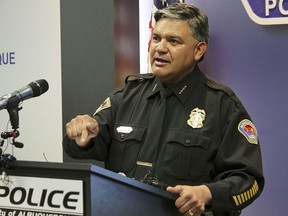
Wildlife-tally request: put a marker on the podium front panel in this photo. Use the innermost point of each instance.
(78, 189)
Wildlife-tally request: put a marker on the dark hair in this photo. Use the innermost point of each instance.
(197, 20)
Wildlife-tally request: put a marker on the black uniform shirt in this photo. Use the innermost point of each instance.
(206, 137)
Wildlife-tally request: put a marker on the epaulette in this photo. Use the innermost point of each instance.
(116, 90)
(138, 78)
(218, 86)
(213, 84)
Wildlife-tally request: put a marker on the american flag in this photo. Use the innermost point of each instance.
(159, 4)
(164, 3)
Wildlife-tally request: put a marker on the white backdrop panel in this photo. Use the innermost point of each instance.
(30, 31)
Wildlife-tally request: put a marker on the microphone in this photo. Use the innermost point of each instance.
(34, 89)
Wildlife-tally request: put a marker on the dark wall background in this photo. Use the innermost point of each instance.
(87, 46)
(100, 46)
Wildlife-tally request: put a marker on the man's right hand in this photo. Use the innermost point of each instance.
(82, 129)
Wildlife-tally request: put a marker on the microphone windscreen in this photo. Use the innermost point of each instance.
(39, 87)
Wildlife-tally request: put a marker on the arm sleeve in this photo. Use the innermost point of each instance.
(239, 179)
(98, 148)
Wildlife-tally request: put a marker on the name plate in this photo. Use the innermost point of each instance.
(31, 196)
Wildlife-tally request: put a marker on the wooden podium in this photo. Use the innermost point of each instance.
(58, 189)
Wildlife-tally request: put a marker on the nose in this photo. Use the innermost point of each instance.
(161, 47)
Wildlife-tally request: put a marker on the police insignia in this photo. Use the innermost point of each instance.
(248, 129)
(106, 104)
(197, 116)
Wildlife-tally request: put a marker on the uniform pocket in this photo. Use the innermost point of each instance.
(125, 147)
(186, 154)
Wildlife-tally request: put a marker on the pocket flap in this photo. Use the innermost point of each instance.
(134, 133)
(189, 138)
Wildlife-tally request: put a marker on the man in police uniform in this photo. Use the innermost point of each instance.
(178, 124)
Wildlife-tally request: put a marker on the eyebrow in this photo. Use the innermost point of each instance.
(169, 36)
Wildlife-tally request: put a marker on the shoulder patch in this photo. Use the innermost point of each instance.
(106, 104)
(249, 131)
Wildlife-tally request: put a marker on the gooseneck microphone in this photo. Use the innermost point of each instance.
(34, 89)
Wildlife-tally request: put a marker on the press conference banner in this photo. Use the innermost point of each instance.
(30, 196)
(30, 50)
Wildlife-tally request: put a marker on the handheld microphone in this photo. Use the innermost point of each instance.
(34, 89)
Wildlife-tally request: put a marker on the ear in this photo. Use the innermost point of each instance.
(200, 49)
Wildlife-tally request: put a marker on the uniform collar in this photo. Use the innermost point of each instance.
(182, 89)
(155, 88)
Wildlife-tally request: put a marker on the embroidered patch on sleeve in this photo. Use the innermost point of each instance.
(248, 129)
(106, 104)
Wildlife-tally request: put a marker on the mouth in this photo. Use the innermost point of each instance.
(160, 61)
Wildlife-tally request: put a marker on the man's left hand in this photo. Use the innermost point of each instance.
(192, 199)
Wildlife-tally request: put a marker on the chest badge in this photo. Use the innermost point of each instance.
(197, 116)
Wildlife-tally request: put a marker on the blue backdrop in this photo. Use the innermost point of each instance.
(252, 60)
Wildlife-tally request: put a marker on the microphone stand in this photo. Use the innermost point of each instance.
(7, 160)
(13, 111)
(14, 116)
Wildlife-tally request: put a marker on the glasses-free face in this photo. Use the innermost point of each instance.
(174, 51)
